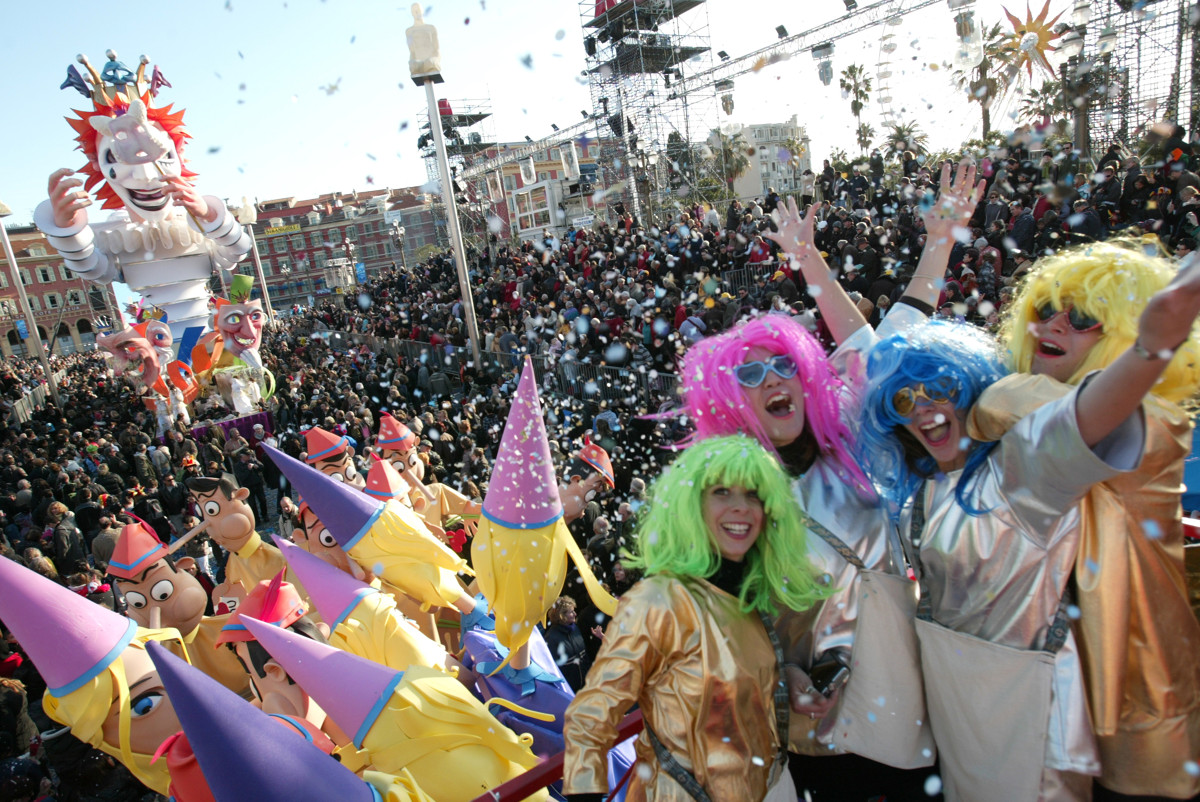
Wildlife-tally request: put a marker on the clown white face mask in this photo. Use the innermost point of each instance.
(134, 155)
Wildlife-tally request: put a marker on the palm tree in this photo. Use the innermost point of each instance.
(865, 133)
(796, 148)
(905, 136)
(857, 86)
(991, 80)
(1039, 104)
(730, 159)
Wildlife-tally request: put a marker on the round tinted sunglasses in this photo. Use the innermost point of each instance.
(907, 399)
(752, 374)
(1079, 321)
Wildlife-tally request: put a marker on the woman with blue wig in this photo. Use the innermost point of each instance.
(992, 530)
(723, 549)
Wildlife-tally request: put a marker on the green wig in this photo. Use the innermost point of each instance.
(674, 539)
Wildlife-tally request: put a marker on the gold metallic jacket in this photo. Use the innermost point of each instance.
(1138, 639)
(703, 673)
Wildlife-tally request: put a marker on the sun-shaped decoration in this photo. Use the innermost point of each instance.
(1032, 39)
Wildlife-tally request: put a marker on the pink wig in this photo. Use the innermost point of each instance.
(717, 406)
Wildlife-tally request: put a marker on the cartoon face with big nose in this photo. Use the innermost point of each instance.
(241, 328)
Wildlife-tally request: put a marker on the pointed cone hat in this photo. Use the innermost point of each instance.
(333, 592)
(595, 456)
(345, 510)
(70, 639)
(242, 752)
(321, 444)
(523, 492)
(384, 482)
(272, 600)
(138, 548)
(394, 435)
(352, 690)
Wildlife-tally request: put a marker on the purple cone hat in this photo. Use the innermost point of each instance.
(333, 592)
(70, 639)
(242, 752)
(523, 492)
(346, 511)
(352, 690)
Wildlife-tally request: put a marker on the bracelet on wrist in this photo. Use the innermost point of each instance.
(1154, 356)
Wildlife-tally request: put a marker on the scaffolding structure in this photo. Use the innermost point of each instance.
(1150, 75)
(650, 114)
(467, 127)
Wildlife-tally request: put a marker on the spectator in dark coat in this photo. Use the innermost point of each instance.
(565, 642)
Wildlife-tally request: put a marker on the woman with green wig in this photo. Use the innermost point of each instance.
(723, 549)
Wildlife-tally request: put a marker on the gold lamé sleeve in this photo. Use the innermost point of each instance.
(644, 629)
(1002, 405)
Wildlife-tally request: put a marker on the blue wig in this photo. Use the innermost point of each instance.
(940, 354)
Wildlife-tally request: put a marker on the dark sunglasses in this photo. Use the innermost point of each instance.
(752, 374)
(908, 398)
(1079, 321)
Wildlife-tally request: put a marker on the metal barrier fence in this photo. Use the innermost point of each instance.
(748, 276)
(635, 386)
(24, 408)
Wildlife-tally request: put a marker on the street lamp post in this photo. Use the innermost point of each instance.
(247, 215)
(25, 310)
(398, 233)
(424, 65)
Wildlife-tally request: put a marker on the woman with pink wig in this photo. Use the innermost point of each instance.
(769, 377)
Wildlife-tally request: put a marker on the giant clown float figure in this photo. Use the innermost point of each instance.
(164, 238)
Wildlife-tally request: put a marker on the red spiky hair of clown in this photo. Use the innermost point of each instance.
(87, 137)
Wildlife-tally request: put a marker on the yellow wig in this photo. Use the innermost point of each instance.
(435, 729)
(85, 709)
(1111, 282)
(375, 630)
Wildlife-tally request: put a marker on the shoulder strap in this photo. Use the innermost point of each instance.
(782, 701)
(671, 766)
(836, 543)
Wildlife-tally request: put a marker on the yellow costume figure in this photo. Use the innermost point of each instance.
(364, 621)
(1138, 638)
(520, 550)
(99, 680)
(422, 720)
(690, 644)
(388, 539)
(235, 751)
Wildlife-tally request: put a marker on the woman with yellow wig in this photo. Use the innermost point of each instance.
(1140, 643)
(100, 681)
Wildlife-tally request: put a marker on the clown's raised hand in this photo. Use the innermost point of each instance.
(184, 194)
(67, 199)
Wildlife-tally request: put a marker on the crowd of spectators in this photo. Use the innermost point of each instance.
(627, 297)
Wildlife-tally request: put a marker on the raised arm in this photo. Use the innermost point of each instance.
(795, 237)
(1166, 322)
(945, 219)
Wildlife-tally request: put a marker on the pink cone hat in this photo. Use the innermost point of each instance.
(70, 639)
(384, 482)
(394, 435)
(345, 510)
(321, 444)
(523, 493)
(242, 752)
(333, 592)
(352, 690)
